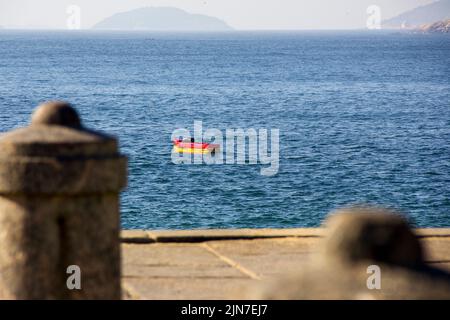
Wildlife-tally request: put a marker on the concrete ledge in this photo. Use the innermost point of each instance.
(193, 236)
(432, 232)
(135, 236)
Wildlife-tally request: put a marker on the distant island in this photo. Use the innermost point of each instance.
(162, 19)
(424, 15)
(437, 27)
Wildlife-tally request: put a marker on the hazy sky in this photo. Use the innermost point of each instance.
(240, 14)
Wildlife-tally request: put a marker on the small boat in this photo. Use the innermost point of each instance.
(192, 147)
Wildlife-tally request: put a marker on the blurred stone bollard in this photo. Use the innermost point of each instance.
(370, 234)
(59, 209)
(367, 253)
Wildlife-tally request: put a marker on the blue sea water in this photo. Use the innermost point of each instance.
(364, 118)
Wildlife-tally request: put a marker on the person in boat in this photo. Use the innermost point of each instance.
(187, 140)
(191, 140)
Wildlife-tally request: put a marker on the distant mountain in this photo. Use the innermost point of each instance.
(436, 11)
(437, 27)
(162, 19)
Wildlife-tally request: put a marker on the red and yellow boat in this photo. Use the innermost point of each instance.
(192, 147)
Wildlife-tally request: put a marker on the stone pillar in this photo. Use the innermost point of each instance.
(59, 207)
(367, 253)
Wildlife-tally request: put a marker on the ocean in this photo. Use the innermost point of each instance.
(364, 118)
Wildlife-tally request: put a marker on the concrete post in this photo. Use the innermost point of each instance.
(59, 207)
(367, 253)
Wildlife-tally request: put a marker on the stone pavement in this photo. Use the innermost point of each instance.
(224, 264)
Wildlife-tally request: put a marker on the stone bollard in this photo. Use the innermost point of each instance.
(59, 208)
(371, 234)
(367, 253)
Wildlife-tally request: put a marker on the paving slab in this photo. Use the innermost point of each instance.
(173, 261)
(267, 257)
(185, 289)
(437, 249)
(222, 264)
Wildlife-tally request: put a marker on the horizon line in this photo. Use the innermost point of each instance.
(200, 31)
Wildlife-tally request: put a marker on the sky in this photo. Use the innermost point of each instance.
(240, 14)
